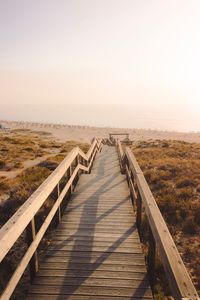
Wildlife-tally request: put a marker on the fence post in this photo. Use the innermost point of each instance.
(127, 175)
(58, 212)
(88, 163)
(77, 162)
(69, 173)
(151, 259)
(30, 236)
(139, 212)
(132, 189)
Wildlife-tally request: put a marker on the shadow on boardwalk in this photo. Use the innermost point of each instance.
(100, 183)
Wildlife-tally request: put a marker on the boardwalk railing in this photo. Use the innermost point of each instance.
(159, 235)
(24, 219)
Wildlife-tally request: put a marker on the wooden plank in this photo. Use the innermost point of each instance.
(87, 281)
(60, 235)
(104, 259)
(105, 205)
(95, 274)
(97, 230)
(111, 249)
(95, 226)
(108, 220)
(93, 208)
(117, 235)
(9, 233)
(101, 215)
(84, 242)
(82, 297)
(92, 291)
(137, 267)
(95, 251)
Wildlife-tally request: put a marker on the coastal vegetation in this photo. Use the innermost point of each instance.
(172, 169)
(15, 149)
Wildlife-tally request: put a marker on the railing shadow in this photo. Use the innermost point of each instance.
(91, 206)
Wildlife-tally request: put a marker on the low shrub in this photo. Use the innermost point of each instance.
(181, 183)
(189, 226)
(2, 164)
(28, 149)
(3, 186)
(185, 193)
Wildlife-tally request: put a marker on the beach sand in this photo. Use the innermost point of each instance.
(86, 133)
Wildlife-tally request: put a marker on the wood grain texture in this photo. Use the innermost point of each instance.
(24, 216)
(95, 252)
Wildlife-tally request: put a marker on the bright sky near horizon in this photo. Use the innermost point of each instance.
(130, 63)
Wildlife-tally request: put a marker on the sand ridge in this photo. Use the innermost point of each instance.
(64, 132)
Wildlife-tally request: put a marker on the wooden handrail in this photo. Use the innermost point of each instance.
(24, 217)
(176, 273)
(121, 156)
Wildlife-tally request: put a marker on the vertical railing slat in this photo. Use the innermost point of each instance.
(30, 236)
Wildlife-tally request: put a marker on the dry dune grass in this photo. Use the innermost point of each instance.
(18, 189)
(172, 171)
(16, 146)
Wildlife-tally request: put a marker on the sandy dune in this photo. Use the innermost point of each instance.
(26, 164)
(86, 133)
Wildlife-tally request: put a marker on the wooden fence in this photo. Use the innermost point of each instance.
(159, 236)
(24, 219)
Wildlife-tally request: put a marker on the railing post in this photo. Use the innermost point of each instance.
(95, 149)
(139, 212)
(30, 236)
(127, 175)
(58, 213)
(77, 162)
(81, 162)
(89, 160)
(84, 164)
(132, 189)
(69, 173)
(151, 259)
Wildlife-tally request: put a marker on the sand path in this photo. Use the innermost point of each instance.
(27, 164)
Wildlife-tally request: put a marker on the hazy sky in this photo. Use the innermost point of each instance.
(127, 63)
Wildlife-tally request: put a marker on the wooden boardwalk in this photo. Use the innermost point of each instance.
(95, 252)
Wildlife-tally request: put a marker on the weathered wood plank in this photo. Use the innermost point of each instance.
(60, 235)
(84, 242)
(123, 227)
(111, 249)
(11, 231)
(87, 281)
(97, 230)
(95, 274)
(96, 251)
(117, 236)
(92, 291)
(82, 297)
(134, 267)
(88, 257)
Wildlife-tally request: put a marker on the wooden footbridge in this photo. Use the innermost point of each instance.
(95, 252)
